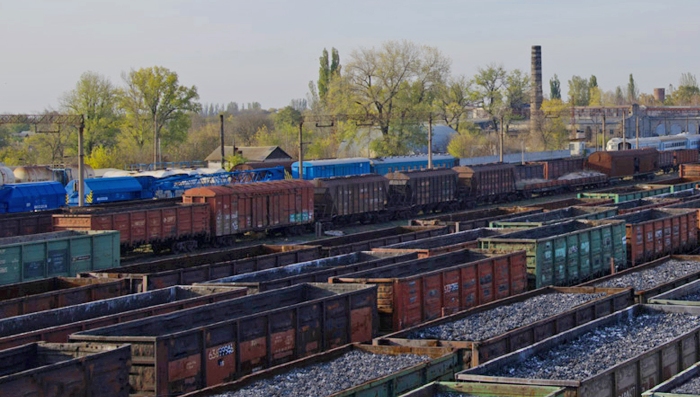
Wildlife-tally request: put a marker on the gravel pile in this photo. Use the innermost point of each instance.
(602, 348)
(650, 278)
(499, 320)
(693, 297)
(322, 379)
(692, 386)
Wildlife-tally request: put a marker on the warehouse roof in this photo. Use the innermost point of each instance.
(252, 153)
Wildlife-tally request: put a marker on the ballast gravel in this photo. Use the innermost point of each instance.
(499, 320)
(692, 386)
(602, 348)
(322, 379)
(652, 277)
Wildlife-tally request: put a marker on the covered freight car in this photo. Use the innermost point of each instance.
(102, 190)
(487, 183)
(386, 165)
(635, 163)
(330, 168)
(32, 196)
(426, 190)
(350, 199)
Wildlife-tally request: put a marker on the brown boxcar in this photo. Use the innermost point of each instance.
(473, 219)
(70, 369)
(163, 273)
(685, 156)
(416, 291)
(553, 169)
(425, 190)
(351, 198)
(440, 363)
(642, 296)
(666, 160)
(24, 223)
(653, 233)
(694, 204)
(487, 182)
(624, 163)
(258, 206)
(477, 352)
(209, 345)
(689, 171)
(168, 225)
(365, 241)
(314, 271)
(20, 330)
(55, 292)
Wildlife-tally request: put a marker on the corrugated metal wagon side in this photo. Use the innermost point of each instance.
(220, 342)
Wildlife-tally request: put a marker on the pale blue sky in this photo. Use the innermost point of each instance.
(267, 50)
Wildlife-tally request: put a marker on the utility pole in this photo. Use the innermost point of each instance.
(81, 162)
(430, 141)
(605, 148)
(301, 150)
(500, 143)
(155, 142)
(221, 138)
(636, 120)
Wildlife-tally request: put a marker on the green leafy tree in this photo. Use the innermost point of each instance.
(579, 91)
(155, 104)
(687, 93)
(489, 83)
(632, 90)
(390, 87)
(95, 98)
(555, 88)
(453, 101)
(327, 71)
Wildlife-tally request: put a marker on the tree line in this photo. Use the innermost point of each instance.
(379, 102)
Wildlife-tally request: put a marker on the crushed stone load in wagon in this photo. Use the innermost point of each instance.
(691, 386)
(602, 348)
(580, 174)
(322, 379)
(652, 277)
(692, 297)
(487, 324)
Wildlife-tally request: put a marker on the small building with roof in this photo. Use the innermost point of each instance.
(256, 154)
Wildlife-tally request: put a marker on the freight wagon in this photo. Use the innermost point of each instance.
(190, 349)
(427, 247)
(162, 224)
(331, 168)
(66, 253)
(71, 369)
(343, 372)
(683, 384)
(550, 205)
(554, 216)
(387, 165)
(350, 199)
(473, 219)
(260, 206)
(565, 253)
(646, 360)
(487, 183)
(477, 389)
(55, 292)
(21, 224)
(416, 291)
(626, 207)
(491, 330)
(366, 241)
(198, 268)
(62, 322)
(636, 163)
(684, 295)
(653, 233)
(28, 197)
(427, 190)
(313, 271)
(621, 194)
(653, 278)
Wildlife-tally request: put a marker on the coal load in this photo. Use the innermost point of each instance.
(323, 379)
(649, 278)
(487, 324)
(692, 386)
(602, 348)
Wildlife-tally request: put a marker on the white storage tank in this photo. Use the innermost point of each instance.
(33, 173)
(6, 175)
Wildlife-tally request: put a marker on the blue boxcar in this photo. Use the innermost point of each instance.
(32, 196)
(331, 168)
(107, 190)
(386, 165)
